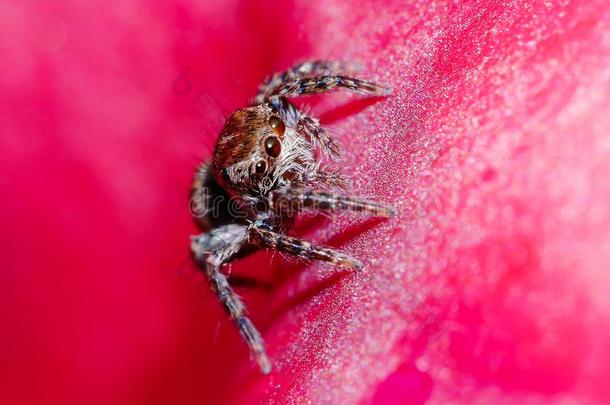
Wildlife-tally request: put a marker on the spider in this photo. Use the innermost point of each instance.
(265, 169)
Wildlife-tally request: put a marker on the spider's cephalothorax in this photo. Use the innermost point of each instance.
(261, 148)
(264, 171)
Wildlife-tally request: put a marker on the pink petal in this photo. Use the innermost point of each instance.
(490, 286)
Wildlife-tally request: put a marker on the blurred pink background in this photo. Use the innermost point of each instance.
(491, 286)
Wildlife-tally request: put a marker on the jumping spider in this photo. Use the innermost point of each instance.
(264, 171)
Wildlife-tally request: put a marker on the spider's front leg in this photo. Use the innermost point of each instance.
(300, 71)
(296, 199)
(261, 234)
(311, 128)
(324, 83)
(211, 251)
(316, 77)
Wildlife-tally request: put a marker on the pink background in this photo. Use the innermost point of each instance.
(491, 286)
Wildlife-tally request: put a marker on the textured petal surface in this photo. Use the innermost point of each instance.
(491, 285)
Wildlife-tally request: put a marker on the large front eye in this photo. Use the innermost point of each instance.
(273, 147)
(277, 125)
(261, 167)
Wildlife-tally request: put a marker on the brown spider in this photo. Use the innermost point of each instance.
(264, 171)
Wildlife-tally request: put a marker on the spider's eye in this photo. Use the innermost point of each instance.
(260, 167)
(225, 175)
(273, 147)
(277, 125)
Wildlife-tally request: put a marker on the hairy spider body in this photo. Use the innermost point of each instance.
(264, 171)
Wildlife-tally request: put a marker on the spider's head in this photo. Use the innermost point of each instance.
(259, 150)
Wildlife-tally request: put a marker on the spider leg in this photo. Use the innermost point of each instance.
(261, 234)
(302, 70)
(324, 83)
(323, 179)
(211, 251)
(296, 199)
(311, 128)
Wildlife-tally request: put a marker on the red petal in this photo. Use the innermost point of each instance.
(490, 285)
